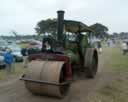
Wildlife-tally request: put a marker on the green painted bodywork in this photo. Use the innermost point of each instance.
(76, 49)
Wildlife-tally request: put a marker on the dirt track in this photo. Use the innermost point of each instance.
(13, 90)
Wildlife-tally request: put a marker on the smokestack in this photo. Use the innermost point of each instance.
(60, 25)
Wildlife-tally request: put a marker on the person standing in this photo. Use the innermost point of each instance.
(99, 47)
(24, 52)
(8, 59)
(124, 47)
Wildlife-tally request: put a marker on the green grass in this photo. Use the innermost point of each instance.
(23, 45)
(17, 70)
(2, 74)
(116, 90)
(115, 60)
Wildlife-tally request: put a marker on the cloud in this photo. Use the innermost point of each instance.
(23, 15)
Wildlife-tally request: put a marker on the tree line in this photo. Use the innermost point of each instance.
(50, 25)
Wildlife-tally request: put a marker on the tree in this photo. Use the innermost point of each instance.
(46, 26)
(100, 30)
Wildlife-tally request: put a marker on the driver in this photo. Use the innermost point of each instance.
(47, 47)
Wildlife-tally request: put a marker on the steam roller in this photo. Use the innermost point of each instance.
(50, 71)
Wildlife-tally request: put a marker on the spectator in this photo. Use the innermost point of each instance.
(8, 59)
(99, 44)
(124, 48)
(99, 47)
(24, 52)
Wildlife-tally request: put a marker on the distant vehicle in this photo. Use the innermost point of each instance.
(16, 51)
(35, 42)
(32, 49)
(17, 55)
(2, 64)
(3, 44)
(11, 42)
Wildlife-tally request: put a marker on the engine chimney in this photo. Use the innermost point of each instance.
(60, 25)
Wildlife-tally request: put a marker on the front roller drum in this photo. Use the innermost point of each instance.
(46, 78)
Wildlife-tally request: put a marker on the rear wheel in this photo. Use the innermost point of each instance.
(91, 62)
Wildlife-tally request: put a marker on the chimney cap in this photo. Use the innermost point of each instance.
(60, 11)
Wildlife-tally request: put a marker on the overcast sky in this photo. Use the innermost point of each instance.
(23, 15)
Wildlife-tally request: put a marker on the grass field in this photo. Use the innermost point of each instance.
(17, 70)
(116, 90)
(23, 45)
(116, 61)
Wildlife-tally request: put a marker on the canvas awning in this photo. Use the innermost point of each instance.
(75, 26)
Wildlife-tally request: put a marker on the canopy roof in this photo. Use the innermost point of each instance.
(76, 26)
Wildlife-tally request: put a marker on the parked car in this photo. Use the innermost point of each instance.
(3, 44)
(2, 64)
(16, 51)
(17, 55)
(34, 49)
